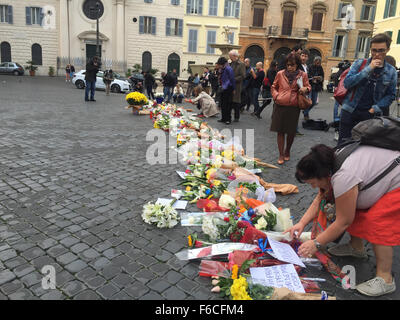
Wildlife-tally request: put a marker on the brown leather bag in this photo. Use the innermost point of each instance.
(303, 101)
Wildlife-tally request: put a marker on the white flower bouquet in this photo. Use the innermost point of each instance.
(163, 216)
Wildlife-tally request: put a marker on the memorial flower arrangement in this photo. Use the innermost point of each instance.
(163, 216)
(136, 99)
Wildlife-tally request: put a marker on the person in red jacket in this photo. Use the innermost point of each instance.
(285, 115)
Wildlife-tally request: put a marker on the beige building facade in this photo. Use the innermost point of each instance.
(145, 32)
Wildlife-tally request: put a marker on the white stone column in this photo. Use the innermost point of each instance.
(64, 49)
(120, 34)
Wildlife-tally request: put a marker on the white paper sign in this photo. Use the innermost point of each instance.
(254, 171)
(228, 247)
(285, 252)
(178, 205)
(182, 174)
(278, 277)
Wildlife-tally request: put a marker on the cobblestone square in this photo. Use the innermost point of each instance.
(74, 178)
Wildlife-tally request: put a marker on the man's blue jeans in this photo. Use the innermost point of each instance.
(336, 115)
(90, 86)
(314, 98)
(167, 93)
(255, 94)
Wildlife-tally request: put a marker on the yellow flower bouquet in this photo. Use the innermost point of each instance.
(136, 100)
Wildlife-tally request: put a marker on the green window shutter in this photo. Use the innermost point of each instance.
(357, 47)
(372, 18)
(334, 46)
(180, 27)
(28, 15)
(153, 25)
(386, 12)
(362, 12)
(398, 37)
(168, 27)
(141, 24)
(10, 14)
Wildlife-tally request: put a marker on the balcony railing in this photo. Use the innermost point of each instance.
(297, 33)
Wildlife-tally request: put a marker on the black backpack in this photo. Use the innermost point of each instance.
(381, 132)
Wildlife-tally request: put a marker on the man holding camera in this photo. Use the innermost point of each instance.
(92, 67)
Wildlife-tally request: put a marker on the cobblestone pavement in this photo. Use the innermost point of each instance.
(73, 180)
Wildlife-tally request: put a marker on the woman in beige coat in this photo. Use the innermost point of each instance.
(205, 101)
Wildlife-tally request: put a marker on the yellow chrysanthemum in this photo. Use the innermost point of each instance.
(239, 289)
(235, 270)
(190, 241)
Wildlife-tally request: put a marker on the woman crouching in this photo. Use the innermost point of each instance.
(205, 102)
(372, 214)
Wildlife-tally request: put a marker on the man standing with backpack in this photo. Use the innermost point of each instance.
(371, 86)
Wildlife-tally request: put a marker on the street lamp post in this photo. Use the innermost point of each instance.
(97, 30)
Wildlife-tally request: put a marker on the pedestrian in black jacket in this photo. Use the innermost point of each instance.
(316, 76)
(92, 67)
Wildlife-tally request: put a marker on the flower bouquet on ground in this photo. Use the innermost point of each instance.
(163, 216)
(136, 101)
(162, 122)
(159, 97)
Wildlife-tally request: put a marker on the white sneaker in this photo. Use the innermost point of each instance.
(376, 287)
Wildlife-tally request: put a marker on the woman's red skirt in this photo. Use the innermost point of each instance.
(379, 224)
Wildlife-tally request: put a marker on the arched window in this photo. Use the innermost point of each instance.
(5, 49)
(174, 62)
(37, 54)
(313, 53)
(255, 54)
(280, 56)
(146, 61)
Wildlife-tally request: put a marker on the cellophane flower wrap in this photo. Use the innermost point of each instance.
(160, 215)
(136, 99)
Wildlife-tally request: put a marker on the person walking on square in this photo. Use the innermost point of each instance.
(373, 87)
(92, 67)
(205, 80)
(256, 83)
(149, 81)
(266, 87)
(68, 73)
(246, 85)
(190, 87)
(72, 72)
(228, 85)
(108, 77)
(285, 115)
(214, 82)
(239, 70)
(316, 76)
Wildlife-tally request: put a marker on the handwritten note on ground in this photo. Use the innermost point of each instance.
(278, 277)
(285, 253)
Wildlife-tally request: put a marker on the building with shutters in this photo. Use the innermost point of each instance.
(387, 19)
(58, 32)
(353, 26)
(204, 22)
(270, 29)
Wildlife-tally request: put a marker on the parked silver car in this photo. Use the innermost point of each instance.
(118, 85)
(11, 68)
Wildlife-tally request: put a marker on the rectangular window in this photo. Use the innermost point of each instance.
(287, 23)
(192, 41)
(389, 33)
(148, 1)
(258, 17)
(6, 15)
(211, 38)
(390, 9)
(147, 25)
(194, 7)
(175, 2)
(362, 50)
(317, 21)
(338, 46)
(36, 16)
(174, 27)
(365, 12)
(213, 8)
(232, 8)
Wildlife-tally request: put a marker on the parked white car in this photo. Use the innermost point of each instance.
(118, 85)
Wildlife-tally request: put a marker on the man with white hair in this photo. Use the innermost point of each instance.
(239, 71)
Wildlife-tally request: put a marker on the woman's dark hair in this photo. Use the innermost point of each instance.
(273, 64)
(319, 163)
(293, 58)
(221, 61)
(391, 60)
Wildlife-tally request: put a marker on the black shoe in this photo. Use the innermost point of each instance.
(236, 120)
(93, 100)
(87, 100)
(258, 116)
(221, 120)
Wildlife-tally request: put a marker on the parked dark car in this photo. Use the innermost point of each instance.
(11, 68)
